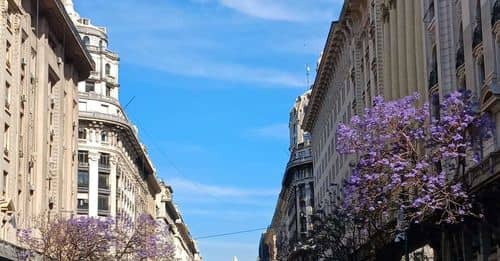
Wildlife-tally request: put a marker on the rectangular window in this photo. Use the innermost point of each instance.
(82, 134)
(7, 95)
(108, 90)
(83, 204)
(83, 156)
(6, 140)
(83, 179)
(89, 86)
(4, 183)
(104, 160)
(103, 181)
(103, 202)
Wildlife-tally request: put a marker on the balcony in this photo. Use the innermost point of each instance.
(83, 165)
(101, 50)
(98, 97)
(104, 167)
(83, 187)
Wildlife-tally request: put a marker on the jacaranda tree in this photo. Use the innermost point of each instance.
(89, 238)
(410, 165)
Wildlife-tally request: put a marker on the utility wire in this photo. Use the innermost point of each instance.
(230, 233)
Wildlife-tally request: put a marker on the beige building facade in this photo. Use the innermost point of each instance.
(375, 48)
(41, 62)
(185, 248)
(395, 48)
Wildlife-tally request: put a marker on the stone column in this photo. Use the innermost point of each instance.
(394, 53)
(419, 48)
(410, 46)
(113, 185)
(93, 182)
(401, 35)
(387, 58)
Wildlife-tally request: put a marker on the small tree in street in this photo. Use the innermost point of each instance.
(89, 238)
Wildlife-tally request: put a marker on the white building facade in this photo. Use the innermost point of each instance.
(115, 175)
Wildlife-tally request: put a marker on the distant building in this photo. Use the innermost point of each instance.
(115, 174)
(185, 248)
(292, 217)
(41, 62)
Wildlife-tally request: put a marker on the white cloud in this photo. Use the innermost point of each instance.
(194, 188)
(277, 131)
(284, 10)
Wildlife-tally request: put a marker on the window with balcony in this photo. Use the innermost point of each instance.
(83, 179)
(83, 204)
(104, 160)
(89, 86)
(83, 156)
(103, 180)
(82, 133)
(103, 203)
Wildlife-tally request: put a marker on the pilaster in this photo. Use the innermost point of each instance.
(93, 182)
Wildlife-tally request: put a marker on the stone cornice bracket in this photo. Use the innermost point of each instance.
(94, 156)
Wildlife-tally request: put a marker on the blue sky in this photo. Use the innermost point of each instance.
(214, 81)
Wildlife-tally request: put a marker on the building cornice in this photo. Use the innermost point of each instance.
(63, 27)
(336, 36)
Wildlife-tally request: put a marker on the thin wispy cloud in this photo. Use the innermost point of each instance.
(194, 188)
(283, 10)
(278, 131)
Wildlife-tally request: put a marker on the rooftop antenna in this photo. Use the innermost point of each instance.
(308, 72)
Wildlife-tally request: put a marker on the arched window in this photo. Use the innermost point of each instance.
(104, 136)
(86, 40)
(107, 69)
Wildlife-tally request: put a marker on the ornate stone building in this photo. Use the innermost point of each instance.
(167, 213)
(394, 48)
(115, 175)
(292, 218)
(41, 62)
(375, 48)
